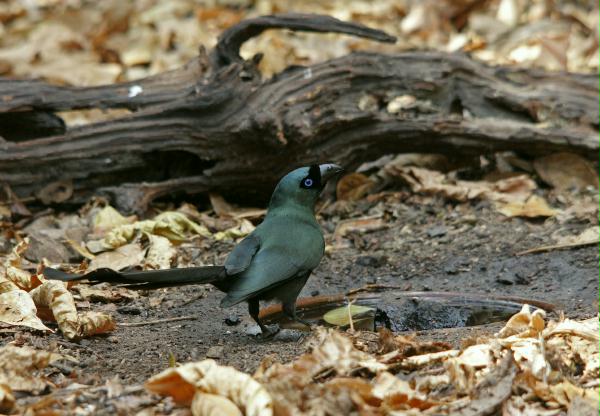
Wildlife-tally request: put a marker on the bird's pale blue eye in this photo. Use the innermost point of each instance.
(308, 182)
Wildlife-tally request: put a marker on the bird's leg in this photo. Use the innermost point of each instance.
(253, 309)
(289, 310)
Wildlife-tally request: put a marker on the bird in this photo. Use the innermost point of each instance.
(272, 262)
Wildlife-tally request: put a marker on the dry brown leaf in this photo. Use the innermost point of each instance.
(183, 382)
(584, 208)
(433, 162)
(94, 323)
(571, 343)
(7, 399)
(18, 366)
(566, 170)
(221, 207)
(7, 285)
(361, 225)
(565, 392)
(535, 206)
(110, 294)
(22, 278)
(5, 212)
(82, 250)
(332, 352)
(19, 277)
(54, 295)
(407, 345)
(353, 187)
(128, 255)
(514, 189)
(17, 308)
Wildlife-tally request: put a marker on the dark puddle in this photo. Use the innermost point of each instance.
(404, 311)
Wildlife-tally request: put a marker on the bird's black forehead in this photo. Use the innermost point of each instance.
(314, 172)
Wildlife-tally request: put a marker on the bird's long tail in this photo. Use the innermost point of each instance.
(149, 279)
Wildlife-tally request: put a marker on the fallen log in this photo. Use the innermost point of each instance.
(216, 125)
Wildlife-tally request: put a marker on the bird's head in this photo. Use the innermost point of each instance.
(303, 185)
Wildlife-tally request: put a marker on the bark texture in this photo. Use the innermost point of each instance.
(216, 125)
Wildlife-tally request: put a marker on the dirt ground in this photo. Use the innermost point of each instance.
(428, 244)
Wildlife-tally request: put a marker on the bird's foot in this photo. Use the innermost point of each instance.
(308, 325)
(267, 333)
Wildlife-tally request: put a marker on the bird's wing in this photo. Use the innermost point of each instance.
(240, 257)
(267, 269)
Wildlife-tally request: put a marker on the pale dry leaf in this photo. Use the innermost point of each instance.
(397, 394)
(583, 207)
(336, 351)
(206, 404)
(207, 376)
(588, 236)
(587, 329)
(107, 219)
(16, 254)
(519, 406)
(161, 254)
(535, 206)
(401, 102)
(173, 225)
(128, 255)
(18, 308)
(177, 227)
(242, 229)
(524, 324)
(54, 295)
(508, 12)
(573, 342)
(7, 285)
(463, 369)
(418, 361)
(565, 392)
(514, 189)
(529, 355)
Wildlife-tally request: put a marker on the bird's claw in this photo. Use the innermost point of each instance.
(308, 325)
(267, 333)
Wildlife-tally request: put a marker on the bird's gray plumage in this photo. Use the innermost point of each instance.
(273, 262)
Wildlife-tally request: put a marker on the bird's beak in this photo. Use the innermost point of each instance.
(328, 171)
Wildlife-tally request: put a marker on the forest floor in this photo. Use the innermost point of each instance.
(427, 244)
